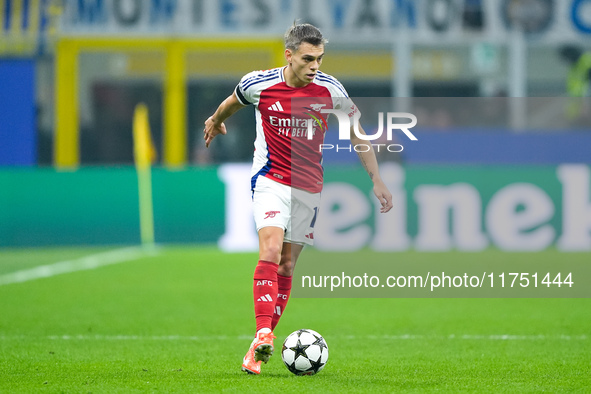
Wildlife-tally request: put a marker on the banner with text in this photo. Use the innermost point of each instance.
(341, 20)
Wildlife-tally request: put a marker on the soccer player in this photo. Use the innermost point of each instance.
(286, 196)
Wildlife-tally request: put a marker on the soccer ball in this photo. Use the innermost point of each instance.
(304, 352)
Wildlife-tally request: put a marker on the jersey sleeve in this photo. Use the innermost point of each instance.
(243, 94)
(347, 105)
(341, 99)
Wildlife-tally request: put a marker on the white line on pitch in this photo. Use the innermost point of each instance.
(498, 337)
(84, 263)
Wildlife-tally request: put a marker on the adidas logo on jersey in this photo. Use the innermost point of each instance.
(265, 298)
(276, 107)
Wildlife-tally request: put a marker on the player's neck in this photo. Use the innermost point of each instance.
(292, 80)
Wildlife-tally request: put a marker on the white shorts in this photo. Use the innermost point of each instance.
(279, 205)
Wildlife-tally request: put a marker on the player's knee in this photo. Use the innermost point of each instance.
(271, 252)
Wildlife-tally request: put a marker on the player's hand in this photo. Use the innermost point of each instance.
(211, 130)
(383, 195)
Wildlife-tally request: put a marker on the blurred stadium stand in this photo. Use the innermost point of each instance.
(499, 87)
(169, 58)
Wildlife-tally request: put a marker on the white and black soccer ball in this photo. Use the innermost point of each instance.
(304, 352)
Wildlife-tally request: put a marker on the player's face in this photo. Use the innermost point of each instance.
(305, 61)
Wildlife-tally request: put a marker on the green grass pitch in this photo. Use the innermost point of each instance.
(181, 321)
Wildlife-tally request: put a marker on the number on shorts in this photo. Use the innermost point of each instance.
(313, 222)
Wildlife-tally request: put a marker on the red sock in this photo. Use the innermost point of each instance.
(283, 290)
(265, 292)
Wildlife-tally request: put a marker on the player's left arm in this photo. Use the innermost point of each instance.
(370, 163)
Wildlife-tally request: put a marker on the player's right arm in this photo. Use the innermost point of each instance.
(214, 125)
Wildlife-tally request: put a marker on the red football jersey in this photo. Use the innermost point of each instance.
(283, 151)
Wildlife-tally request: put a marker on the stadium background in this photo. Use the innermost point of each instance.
(73, 72)
(517, 179)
